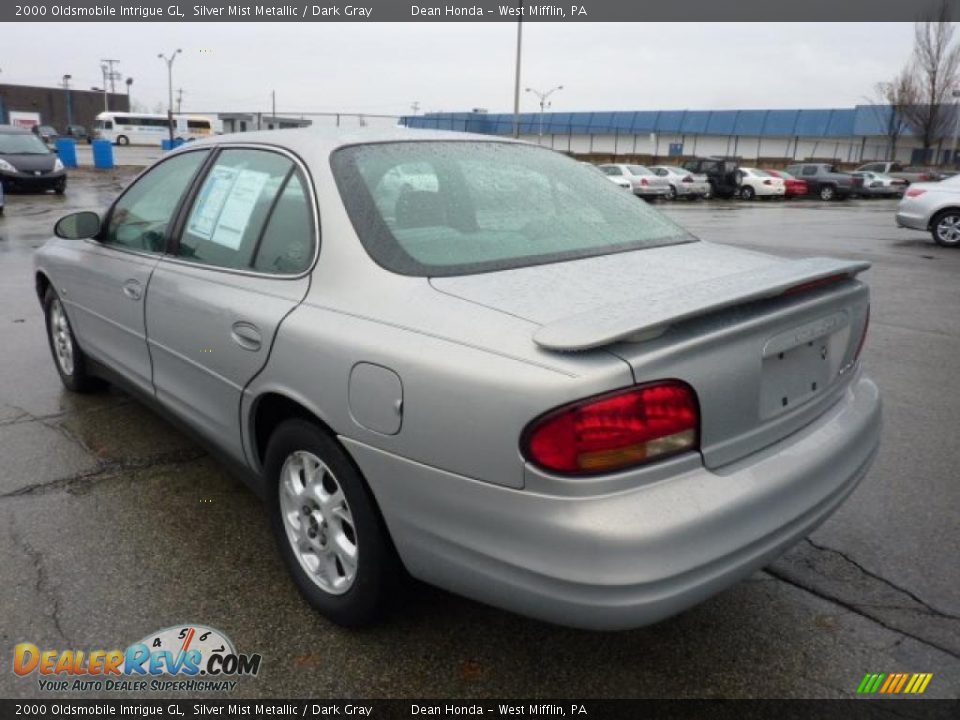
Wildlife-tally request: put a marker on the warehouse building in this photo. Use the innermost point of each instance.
(842, 135)
(57, 106)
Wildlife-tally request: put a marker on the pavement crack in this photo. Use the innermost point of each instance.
(106, 470)
(43, 586)
(899, 588)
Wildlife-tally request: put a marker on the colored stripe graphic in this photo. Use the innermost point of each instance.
(894, 683)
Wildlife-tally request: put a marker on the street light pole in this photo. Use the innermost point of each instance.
(66, 89)
(543, 95)
(129, 83)
(169, 62)
(516, 81)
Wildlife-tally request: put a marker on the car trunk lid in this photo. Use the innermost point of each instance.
(767, 343)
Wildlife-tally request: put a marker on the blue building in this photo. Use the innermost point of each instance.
(842, 134)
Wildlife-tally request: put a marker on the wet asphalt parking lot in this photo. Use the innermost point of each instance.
(114, 524)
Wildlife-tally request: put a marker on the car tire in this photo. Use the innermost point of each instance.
(60, 188)
(123, 140)
(945, 229)
(69, 360)
(747, 193)
(321, 509)
(827, 192)
(672, 193)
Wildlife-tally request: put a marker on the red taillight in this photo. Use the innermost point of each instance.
(615, 431)
(643, 181)
(863, 335)
(915, 192)
(813, 284)
(687, 179)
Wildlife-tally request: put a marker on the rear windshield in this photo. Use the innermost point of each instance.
(16, 144)
(460, 207)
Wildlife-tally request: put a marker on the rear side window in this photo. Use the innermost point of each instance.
(809, 169)
(287, 243)
(480, 206)
(233, 207)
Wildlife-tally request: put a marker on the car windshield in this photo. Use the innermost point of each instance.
(17, 144)
(482, 206)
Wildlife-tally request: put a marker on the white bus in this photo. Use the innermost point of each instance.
(122, 128)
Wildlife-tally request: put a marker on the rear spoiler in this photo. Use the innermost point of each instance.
(647, 316)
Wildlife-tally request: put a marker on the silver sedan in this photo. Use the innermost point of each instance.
(683, 183)
(933, 207)
(645, 183)
(506, 377)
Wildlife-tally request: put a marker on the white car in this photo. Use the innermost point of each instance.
(618, 180)
(759, 183)
(644, 182)
(683, 183)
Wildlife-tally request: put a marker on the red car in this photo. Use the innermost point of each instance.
(793, 187)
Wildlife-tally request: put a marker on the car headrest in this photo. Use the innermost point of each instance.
(420, 208)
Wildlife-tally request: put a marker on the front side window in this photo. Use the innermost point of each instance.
(142, 217)
(482, 206)
(233, 206)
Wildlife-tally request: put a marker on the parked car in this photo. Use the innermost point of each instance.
(645, 182)
(792, 186)
(879, 185)
(721, 174)
(47, 133)
(683, 183)
(759, 183)
(896, 170)
(27, 164)
(619, 180)
(825, 181)
(934, 208)
(77, 132)
(522, 386)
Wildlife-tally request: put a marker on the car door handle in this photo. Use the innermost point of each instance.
(132, 289)
(246, 335)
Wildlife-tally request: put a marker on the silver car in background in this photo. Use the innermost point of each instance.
(879, 185)
(683, 183)
(508, 378)
(645, 183)
(619, 180)
(933, 207)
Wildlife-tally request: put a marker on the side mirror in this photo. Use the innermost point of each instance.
(77, 226)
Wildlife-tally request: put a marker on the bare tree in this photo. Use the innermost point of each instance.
(933, 75)
(894, 98)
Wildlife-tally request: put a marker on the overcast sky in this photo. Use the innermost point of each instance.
(384, 67)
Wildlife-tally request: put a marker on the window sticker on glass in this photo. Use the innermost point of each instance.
(211, 200)
(236, 211)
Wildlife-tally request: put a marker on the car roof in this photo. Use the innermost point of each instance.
(323, 139)
(13, 130)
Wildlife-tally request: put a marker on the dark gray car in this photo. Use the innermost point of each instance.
(825, 181)
(27, 164)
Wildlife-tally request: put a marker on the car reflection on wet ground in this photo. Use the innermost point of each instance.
(116, 524)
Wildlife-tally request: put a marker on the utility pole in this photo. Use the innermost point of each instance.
(273, 105)
(129, 82)
(415, 106)
(543, 95)
(66, 88)
(179, 99)
(106, 105)
(516, 79)
(111, 74)
(169, 62)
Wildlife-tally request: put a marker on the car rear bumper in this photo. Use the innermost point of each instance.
(651, 192)
(629, 558)
(688, 189)
(912, 220)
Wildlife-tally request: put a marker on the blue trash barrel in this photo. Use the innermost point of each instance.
(166, 145)
(67, 151)
(103, 154)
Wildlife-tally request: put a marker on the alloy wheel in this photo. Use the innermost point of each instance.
(318, 522)
(61, 336)
(948, 230)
